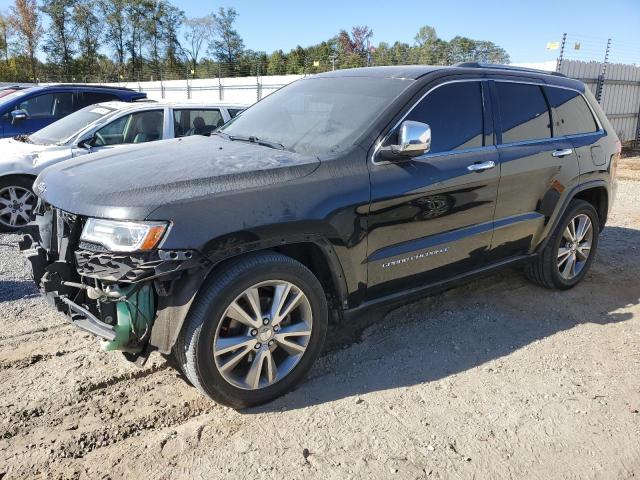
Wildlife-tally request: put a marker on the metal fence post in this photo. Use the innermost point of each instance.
(258, 85)
(603, 73)
(188, 86)
(220, 93)
(561, 55)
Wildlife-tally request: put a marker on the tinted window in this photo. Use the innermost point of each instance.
(89, 98)
(234, 111)
(196, 122)
(454, 113)
(55, 105)
(523, 111)
(137, 127)
(571, 114)
(37, 107)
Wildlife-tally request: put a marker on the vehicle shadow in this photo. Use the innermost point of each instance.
(465, 327)
(11, 290)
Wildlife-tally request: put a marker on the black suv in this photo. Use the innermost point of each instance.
(339, 192)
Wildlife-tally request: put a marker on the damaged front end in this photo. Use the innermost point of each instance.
(132, 301)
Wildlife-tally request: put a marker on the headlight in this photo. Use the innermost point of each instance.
(123, 236)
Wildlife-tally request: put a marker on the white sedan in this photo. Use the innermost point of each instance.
(94, 128)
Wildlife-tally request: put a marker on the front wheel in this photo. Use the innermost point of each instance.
(17, 202)
(570, 251)
(254, 330)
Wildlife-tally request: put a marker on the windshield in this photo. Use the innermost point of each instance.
(317, 115)
(67, 127)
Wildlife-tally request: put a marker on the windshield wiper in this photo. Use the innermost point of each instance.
(252, 139)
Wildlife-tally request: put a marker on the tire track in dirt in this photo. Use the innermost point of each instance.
(116, 379)
(36, 331)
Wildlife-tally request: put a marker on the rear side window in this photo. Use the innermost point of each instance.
(571, 114)
(233, 112)
(523, 112)
(189, 122)
(89, 98)
(454, 113)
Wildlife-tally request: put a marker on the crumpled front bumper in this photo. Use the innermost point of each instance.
(66, 277)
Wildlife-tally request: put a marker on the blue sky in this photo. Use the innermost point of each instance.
(522, 27)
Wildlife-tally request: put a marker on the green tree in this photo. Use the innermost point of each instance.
(24, 19)
(116, 27)
(88, 26)
(277, 63)
(4, 38)
(60, 37)
(138, 15)
(198, 33)
(227, 45)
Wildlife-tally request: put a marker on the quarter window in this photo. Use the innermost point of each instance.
(454, 113)
(523, 112)
(571, 114)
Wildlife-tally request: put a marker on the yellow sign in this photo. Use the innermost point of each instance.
(316, 63)
(553, 45)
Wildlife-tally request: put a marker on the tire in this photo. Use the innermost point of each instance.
(546, 270)
(12, 191)
(210, 323)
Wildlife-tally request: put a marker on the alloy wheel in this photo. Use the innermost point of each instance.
(575, 246)
(263, 334)
(16, 206)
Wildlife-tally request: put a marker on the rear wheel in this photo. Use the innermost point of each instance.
(17, 202)
(570, 251)
(254, 331)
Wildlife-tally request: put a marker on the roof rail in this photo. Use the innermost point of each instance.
(498, 66)
(92, 85)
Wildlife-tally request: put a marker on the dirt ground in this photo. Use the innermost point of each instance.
(497, 379)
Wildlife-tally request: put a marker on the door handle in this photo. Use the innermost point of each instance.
(562, 152)
(480, 167)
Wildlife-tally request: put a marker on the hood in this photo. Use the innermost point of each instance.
(133, 181)
(18, 157)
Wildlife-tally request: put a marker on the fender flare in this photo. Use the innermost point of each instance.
(565, 205)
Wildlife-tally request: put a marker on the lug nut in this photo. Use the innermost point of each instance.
(258, 346)
(254, 332)
(265, 321)
(271, 342)
(276, 328)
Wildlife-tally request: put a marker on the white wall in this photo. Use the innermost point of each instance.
(243, 90)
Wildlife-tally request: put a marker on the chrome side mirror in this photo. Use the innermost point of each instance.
(414, 139)
(18, 116)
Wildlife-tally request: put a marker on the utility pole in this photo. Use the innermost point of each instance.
(561, 55)
(603, 73)
(333, 58)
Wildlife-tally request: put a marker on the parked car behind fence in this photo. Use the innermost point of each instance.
(27, 110)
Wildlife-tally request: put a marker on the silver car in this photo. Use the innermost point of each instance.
(95, 128)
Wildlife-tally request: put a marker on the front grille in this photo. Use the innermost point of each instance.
(116, 267)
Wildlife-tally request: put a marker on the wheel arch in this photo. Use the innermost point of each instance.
(598, 196)
(313, 251)
(595, 192)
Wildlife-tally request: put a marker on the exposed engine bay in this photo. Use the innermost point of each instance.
(114, 296)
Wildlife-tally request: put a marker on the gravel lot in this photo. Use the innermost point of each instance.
(496, 379)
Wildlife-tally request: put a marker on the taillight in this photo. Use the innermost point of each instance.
(613, 165)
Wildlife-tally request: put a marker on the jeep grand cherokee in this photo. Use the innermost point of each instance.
(339, 192)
